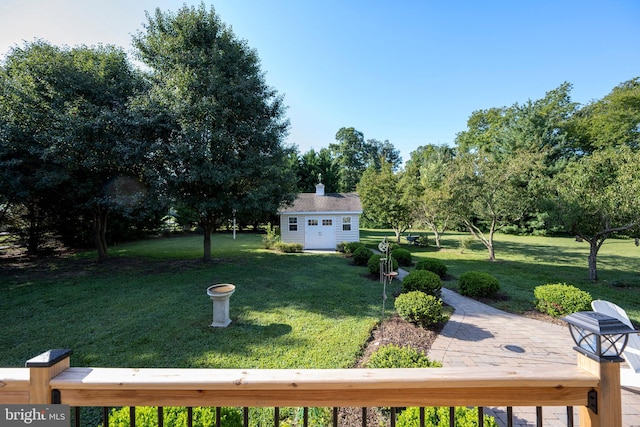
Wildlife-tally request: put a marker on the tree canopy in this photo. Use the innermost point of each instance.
(226, 153)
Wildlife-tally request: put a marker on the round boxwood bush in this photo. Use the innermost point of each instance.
(423, 281)
(374, 264)
(560, 299)
(420, 308)
(433, 265)
(439, 416)
(361, 255)
(402, 255)
(393, 356)
(351, 247)
(478, 284)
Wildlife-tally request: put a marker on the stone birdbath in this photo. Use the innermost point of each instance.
(220, 295)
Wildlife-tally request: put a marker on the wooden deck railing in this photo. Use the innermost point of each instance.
(49, 378)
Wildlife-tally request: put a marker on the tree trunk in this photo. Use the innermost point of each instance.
(100, 232)
(492, 254)
(487, 242)
(207, 228)
(398, 235)
(593, 253)
(436, 237)
(33, 240)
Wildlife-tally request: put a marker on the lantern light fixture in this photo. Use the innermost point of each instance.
(598, 336)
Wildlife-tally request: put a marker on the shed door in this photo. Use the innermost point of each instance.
(320, 233)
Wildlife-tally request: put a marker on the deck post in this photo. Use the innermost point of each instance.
(42, 369)
(608, 403)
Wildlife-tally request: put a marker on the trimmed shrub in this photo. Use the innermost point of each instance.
(374, 264)
(402, 255)
(351, 247)
(361, 255)
(147, 416)
(288, 248)
(420, 308)
(271, 236)
(393, 356)
(560, 299)
(432, 264)
(423, 281)
(439, 417)
(478, 284)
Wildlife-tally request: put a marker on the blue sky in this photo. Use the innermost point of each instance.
(410, 72)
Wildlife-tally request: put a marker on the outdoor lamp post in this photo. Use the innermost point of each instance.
(234, 224)
(598, 336)
(600, 341)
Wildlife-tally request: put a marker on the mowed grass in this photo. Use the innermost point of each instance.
(148, 307)
(525, 262)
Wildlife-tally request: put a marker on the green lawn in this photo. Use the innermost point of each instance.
(525, 262)
(148, 307)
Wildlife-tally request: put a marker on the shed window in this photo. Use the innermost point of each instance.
(293, 223)
(312, 222)
(327, 222)
(346, 223)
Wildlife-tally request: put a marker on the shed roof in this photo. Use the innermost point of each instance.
(330, 202)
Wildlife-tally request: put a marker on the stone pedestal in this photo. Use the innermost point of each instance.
(220, 295)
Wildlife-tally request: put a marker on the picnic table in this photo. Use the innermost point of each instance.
(412, 239)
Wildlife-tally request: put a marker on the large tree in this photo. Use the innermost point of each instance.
(69, 140)
(226, 153)
(489, 193)
(383, 201)
(425, 189)
(596, 197)
(314, 165)
(353, 155)
(609, 122)
(539, 125)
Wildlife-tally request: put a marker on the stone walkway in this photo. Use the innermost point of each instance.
(480, 335)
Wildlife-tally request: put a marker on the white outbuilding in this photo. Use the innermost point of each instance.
(321, 221)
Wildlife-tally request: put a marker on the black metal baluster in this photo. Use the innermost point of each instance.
(76, 411)
(509, 416)
(569, 416)
(160, 416)
(364, 417)
(393, 417)
(276, 416)
(305, 416)
(335, 416)
(452, 416)
(132, 416)
(105, 416)
(421, 416)
(539, 416)
(218, 417)
(245, 416)
(480, 416)
(189, 416)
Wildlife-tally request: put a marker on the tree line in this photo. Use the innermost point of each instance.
(93, 148)
(544, 166)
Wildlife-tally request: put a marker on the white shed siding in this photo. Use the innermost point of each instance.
(348, 236)
(292, 236)
(299, 236)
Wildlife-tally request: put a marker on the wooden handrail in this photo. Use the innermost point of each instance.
(562, 386)
(591, 386)
(14, 386)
